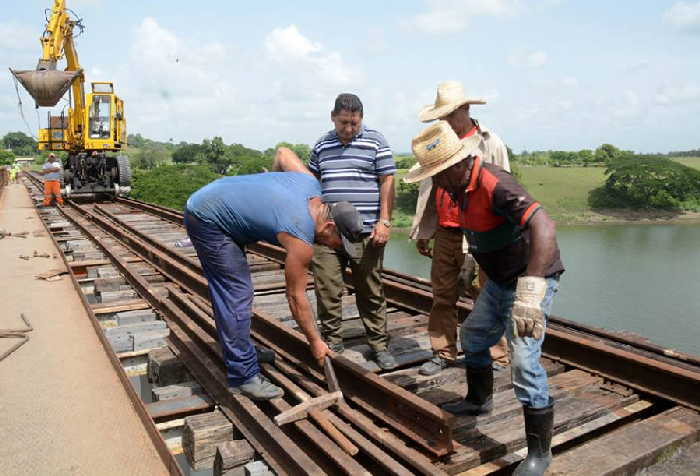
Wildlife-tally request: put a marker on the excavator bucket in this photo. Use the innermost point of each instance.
(47, 87)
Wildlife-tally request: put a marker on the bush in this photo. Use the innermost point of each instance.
(647, 182)
(171, 185)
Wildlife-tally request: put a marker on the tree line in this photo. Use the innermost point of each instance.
(166, 172)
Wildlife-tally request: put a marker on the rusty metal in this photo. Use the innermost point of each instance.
(642, 373)
(419, 420)
(280, 452)
(161, 447)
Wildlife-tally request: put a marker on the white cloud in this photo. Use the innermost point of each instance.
(288, 47)
(449, 16)
(677, 94)
(684, 16)
(528, 59)
(627, 107)
(569, 81)
(15, 37)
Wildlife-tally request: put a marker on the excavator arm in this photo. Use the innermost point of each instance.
(46, 84)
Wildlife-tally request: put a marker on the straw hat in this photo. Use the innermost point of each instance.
(450, 96)
(438, 148)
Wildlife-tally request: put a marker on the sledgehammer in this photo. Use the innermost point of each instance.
(312, 407)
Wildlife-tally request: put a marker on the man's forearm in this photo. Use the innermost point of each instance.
(301, 312)
(542, 244)
(386, 197)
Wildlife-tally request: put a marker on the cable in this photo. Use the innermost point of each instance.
(21, 109)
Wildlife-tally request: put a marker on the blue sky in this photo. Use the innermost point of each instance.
(557, 74)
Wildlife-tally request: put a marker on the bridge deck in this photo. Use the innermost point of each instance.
(62, 407)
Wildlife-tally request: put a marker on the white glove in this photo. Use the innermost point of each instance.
(527, 315)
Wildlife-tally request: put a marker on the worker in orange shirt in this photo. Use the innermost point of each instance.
(52, 180)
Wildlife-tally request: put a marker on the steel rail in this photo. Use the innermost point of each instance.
(154, 435)
(268, 439)
(673, 378)
(417, 419)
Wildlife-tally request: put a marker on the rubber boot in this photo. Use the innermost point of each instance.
(538, 429)
(265, 355)
(479, 399)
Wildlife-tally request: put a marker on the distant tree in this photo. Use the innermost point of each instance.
(136, 140)
(585, 157)
(187, 153)
(405, 161)
(562, 157)
(149, 156)
(303, 151)
(171, 185)
(6, 157)
(20, 143)
(215, 153)
(608, 153)
(645, 181)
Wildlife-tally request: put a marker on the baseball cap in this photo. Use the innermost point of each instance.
(349, 224)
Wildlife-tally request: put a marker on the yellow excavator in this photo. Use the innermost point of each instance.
(94, 124)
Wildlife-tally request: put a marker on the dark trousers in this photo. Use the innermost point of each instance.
(231, 290)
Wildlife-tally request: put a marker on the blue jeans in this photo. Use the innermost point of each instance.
(487, 322)
(231, 290)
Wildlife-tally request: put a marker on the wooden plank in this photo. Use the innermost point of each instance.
(179, 406)
(412, 380)
(632, 447)
(499, 438)
(109, 308)
(202, 434)
(506, 405)
(613, 418)
(100, 262)
(441, 389)
(178, 390)
(164, 368)
(231, 454)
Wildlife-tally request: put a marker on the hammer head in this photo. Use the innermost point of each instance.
(301, 411)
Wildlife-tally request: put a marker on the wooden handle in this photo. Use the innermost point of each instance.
(331, 379)
(333, 432)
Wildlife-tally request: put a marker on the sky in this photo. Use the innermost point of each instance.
(556, 74)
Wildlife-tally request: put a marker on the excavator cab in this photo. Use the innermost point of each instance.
(106, 127)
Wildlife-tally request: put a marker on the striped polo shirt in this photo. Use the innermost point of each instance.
(350, 172)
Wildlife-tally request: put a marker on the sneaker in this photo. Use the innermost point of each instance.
(258, 387)
(337, 347)
(433, 366)
(385, 360)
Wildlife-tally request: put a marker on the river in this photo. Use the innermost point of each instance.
(638, 278)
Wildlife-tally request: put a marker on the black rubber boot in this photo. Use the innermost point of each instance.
(479, 399)
(538, 429)
(265, 355)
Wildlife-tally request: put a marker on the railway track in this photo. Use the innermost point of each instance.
(606, 385)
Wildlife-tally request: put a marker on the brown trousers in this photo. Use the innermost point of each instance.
(328, 267)
(448, 261)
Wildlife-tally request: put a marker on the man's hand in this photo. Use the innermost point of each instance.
(423, 247)
(320, 350)
(527, 315)
(380, 234)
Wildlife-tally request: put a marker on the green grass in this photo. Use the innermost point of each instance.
(693, 162)
(563, 191)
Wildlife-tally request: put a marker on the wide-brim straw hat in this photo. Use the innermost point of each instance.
(450, 96)
(437, 148)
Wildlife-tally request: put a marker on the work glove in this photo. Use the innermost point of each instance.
(527, 315)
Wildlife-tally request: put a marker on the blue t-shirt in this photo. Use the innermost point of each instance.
(256, 207)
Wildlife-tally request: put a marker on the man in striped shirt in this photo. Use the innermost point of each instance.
(354, 163)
